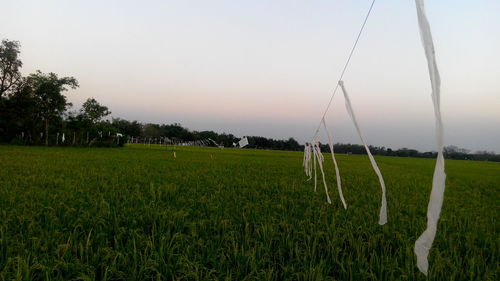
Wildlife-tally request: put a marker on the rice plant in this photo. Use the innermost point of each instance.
(138, 213)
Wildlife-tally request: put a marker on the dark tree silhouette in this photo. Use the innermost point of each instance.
(47, 91)
(10, 77)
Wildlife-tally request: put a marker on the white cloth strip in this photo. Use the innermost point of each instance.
(424, 242)
(307, 160)
(383, 207)
(320, 164)
(310, 155)
(315, 173)
(304, 158)
(304, 161)
(337, 173)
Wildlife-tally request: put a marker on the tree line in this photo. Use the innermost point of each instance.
(450, 152)
(34, 110)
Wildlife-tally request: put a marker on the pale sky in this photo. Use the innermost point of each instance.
(268, 67)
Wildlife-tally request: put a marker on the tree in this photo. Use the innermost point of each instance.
(19, 114)
(94, 111)
(129, 128)
(151, 130)
(47, 91)
(451, 149)
(292, 144)
(10, 77)
(454, 152)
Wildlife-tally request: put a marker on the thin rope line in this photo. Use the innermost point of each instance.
(345, 66)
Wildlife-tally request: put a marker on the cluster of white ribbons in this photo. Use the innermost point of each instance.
(319, 157)
(307, 163)
(424, 242)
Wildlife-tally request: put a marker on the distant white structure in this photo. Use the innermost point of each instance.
(243, 142)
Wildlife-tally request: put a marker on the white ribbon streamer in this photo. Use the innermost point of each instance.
(310, 158)
(315, 173)
(308, 167)
(306, 160)
(383, 208)
(424, 242)
(321, 159)
(337, 173)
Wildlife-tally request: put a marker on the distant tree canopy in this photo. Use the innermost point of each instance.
(37, 102)
(261, 142)
(94, 111)
(128, 128)
(46, 90)
(34, 110)
(10, 64)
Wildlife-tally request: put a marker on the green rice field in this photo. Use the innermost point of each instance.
(138, 213)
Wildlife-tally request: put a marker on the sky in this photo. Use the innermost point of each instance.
(268, 68)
